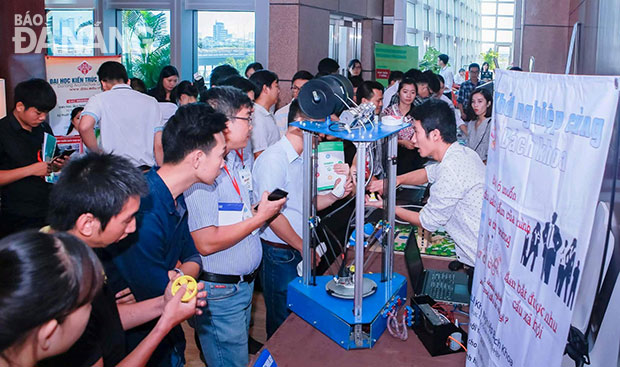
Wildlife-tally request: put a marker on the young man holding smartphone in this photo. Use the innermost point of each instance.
(224, 228)
(281, 166)
(24, 192)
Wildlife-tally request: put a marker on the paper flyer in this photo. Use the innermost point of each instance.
(329, 154)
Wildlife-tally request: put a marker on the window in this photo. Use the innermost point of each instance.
(488, 22)
(487, 46)
(504, 36)
(506, 9)
(146, 43)
(411, 15)
(488, 35)
(505, 22)
(411, 40)
(70, 32)
(420, 18)
(224, 37)
(487, 8)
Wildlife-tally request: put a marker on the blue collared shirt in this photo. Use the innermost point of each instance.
(162, 238)
(202, 203)
(280, 167)
(144, 258)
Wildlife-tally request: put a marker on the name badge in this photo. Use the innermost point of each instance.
(246, 177)
(230, 213)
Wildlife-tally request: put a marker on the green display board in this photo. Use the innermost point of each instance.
(390, 57)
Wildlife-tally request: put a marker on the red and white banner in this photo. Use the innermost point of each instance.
(548, 146)
(74, 80)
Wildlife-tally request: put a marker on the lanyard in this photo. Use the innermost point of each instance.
(234, 182)
(240, 155)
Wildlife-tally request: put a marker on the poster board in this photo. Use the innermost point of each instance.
(549, 141)
(74, 79)
(390, 57)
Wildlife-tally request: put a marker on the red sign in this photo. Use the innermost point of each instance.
(382, 73)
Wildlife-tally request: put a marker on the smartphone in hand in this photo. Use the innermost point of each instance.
(275, 195)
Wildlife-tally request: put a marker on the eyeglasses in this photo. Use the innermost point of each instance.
(294, 87)
(246, 119)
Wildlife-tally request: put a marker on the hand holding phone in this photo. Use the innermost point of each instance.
(275, 195)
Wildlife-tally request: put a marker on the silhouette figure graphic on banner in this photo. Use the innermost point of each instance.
(552, 241)
(533, 242)
(573, 286)
(569, 266)
(563, 274)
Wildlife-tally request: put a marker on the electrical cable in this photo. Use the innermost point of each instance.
(396, 329)
(331, 247)
(339, 208)
(457, 342)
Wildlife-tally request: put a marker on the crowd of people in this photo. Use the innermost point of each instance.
(175, 182)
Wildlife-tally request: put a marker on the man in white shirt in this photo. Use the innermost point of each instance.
(460, 77)
(299, 79)
(455, 201)
(446, 73)
(265, 131)
(281, 167)
(129, 121)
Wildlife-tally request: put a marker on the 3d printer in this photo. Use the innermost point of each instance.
(348, 307)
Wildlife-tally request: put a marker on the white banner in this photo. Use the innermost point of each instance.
(548, 146)
(74, 80)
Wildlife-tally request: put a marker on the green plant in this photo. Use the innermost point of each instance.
(239, 64)
(149, 31)
(490, 57)
(429, 61)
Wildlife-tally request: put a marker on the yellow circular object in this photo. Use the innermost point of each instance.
(352, 268)
(190, 291)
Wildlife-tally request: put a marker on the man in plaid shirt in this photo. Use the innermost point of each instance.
(468, 87)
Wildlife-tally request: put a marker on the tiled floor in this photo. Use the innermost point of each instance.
(257, 331)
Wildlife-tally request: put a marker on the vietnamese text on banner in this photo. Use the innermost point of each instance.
(74, 80)
(548, 146)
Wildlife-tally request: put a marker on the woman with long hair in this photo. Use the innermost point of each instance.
(354, 68)
(409, 158)
(168, 79)
(479, 125)
(47, 283)
(75, 120)
(486, 75)
(403, 108)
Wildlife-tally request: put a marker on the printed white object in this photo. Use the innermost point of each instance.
(391, 121)
(338, 190)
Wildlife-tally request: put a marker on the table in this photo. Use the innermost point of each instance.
(297, 343)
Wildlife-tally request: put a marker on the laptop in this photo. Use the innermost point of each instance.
(442, 286)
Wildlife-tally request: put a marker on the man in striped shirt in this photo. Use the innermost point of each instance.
(223, 226)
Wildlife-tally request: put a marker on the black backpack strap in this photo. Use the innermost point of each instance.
(577, 347)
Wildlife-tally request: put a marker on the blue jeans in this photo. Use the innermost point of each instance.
(224, 324)
(279, 268)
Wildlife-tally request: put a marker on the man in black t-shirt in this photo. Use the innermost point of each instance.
(24, 192)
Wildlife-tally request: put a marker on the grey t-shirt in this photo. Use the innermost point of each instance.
(478, 139)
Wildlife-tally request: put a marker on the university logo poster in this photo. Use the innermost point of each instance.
(548, 145)
(74, 80)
